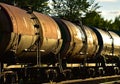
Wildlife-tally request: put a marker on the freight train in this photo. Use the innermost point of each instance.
(37, 48)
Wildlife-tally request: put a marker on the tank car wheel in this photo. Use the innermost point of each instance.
(91, 72)
(101, 72)
(117, 71)
(51, 74)
(67, 74)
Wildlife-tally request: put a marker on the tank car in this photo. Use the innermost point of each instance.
(23, 33)
(37, 46)
(78, 43)
(108, 43)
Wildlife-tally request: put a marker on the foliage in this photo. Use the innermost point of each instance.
(71, 9)
(116, 24)
(36, 5)
(94, 18)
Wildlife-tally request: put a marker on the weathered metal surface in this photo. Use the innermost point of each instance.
(17, 24)
(107, 43)
(22, 33)
(49, 39)
(92, 42)
(18, 19)
(50, 35)
(116, 44)
(76, 43)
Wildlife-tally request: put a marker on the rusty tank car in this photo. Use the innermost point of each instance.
(41, 48)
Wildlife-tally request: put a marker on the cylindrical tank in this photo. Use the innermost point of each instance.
(16, 29)
(92, 42)
(105, 42)
(76, 40)
(116, 44)
(88, 41)
(77, 44)
(21, 31)
(51, 36)
(50, 39)
(73, 38)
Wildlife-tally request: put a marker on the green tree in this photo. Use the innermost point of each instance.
(94, 18)
(71, 9)
(36, 5)
(116, 24)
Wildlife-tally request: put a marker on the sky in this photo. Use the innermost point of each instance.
(109, 8)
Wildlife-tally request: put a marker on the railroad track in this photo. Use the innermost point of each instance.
(98, 80)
